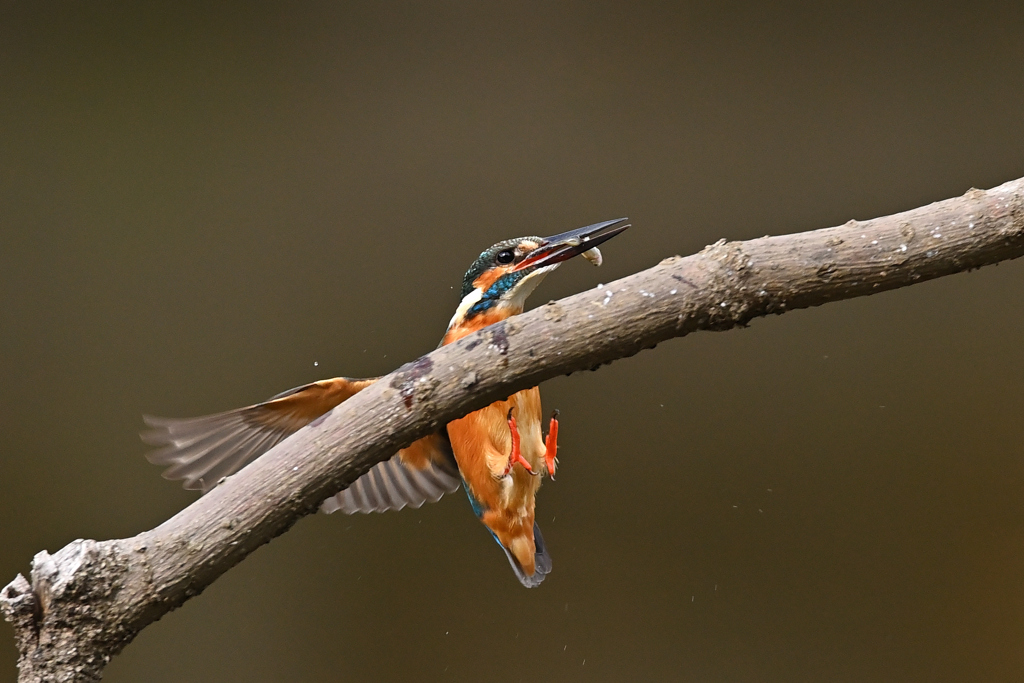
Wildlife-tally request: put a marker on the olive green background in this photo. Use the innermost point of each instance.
(201, 206)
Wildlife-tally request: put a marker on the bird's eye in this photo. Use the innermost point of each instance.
(505, 257)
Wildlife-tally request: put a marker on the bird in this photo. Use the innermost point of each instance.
(498, 454)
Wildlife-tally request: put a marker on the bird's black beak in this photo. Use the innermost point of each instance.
(563, 247)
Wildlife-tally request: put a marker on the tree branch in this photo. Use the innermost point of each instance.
(88, 600)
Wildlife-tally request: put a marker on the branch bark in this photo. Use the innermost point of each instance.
(88, 600)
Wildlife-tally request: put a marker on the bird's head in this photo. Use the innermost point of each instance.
(497, 284)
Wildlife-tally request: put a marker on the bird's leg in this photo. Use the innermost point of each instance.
(516, 455)
(551, 445)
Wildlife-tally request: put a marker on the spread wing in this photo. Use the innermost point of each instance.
(419, 474)
(202, 451)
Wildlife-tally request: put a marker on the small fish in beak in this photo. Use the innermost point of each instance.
(594, 256)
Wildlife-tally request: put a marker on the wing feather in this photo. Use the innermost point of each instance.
(395, 484)
(202, 451)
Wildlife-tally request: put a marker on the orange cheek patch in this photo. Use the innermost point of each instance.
(489, 277)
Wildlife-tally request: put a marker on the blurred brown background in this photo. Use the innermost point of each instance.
(200, 207)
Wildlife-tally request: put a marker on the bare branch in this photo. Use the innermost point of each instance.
(88, 600)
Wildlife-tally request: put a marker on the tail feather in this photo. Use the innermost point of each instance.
(542, 559)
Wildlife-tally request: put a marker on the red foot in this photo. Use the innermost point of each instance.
(516, 456)
(551, 445)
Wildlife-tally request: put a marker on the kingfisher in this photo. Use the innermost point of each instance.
(498, 453)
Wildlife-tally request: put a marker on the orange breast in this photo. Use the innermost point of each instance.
(482, 442)
(478, 322)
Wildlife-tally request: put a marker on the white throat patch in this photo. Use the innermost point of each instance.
(515, 298)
